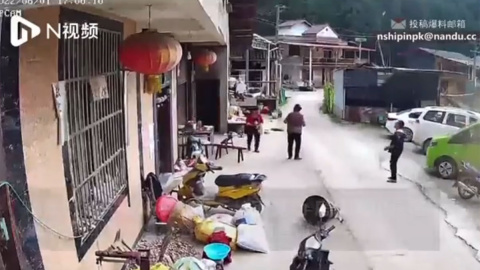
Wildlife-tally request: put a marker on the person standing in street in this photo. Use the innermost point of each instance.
(295, 123)
(253, 129)
(395, 148)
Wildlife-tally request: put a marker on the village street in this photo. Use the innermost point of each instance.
(387, 226)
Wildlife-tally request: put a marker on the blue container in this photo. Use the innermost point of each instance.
(217, 251)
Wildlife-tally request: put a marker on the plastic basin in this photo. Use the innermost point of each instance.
(216, 251)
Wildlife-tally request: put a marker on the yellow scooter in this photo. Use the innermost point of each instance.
(233, 190)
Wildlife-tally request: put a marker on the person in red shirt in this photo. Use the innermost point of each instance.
(253, 129)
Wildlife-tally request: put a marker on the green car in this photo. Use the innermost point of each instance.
(446, 153)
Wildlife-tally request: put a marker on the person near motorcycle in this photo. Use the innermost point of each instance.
(395, 148)
(253, 129)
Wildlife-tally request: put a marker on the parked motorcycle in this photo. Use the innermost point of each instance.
(310, 255)
(233, 190)
(468, 182)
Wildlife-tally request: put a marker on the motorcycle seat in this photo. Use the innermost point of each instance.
(240, 179)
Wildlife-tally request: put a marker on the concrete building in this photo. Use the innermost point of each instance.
(78, 169)
(458, 90)
(310, 53)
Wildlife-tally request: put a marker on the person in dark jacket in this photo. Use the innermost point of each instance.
(295, 123)
(395, 148)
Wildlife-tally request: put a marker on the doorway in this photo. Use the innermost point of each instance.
(208, 102)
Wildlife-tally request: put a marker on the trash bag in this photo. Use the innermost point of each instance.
(189, 263)
(182, 217)
(247, 215)
(205, 228)
(253, 238)
(159, 266)
(224, 218)
(164, 207)
(209, 264)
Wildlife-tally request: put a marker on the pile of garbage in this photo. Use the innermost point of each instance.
(178, 247)
(243, 229)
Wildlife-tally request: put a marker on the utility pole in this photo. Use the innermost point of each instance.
(474, 68)
(278, 10)
(360, 40)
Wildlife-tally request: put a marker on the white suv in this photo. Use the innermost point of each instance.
(408, 117)
(440, 121)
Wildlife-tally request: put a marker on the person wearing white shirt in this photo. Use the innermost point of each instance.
(241, 88)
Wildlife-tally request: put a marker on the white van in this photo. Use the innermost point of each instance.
(440, 121)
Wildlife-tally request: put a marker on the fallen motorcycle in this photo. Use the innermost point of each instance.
(233, 190)
(310, 255)
(468, 182)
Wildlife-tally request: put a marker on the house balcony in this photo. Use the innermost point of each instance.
(195, 21)
(332, 62)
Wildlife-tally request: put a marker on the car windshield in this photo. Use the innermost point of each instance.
(404, 111)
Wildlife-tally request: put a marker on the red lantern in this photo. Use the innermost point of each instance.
(205, 58)
(150, 52)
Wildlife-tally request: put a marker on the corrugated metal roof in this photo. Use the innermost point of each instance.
(452, 56)
(294, 22)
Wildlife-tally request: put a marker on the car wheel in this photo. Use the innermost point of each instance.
(408, 134)
(446, 168)
(425, 146)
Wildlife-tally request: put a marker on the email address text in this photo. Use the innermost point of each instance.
(428, 36)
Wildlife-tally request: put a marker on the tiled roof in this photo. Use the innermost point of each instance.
(452, 56)
(294, 22)
(315, 29)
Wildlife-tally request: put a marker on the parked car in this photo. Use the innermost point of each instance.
(440, 121)
(408, 117)
(446, 153)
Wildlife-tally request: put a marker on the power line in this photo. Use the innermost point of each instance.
(265, 22)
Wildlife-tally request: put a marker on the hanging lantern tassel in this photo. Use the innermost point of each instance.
(153, 84)
(206, 67)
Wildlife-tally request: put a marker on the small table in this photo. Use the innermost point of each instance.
(183, 135)
(236, 126)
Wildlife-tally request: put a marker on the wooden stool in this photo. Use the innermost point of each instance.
(220, 147)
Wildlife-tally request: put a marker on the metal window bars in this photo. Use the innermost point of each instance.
(96, 131)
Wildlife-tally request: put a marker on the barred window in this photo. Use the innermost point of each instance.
(94, 150)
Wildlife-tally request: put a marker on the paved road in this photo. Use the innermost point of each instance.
(387, 226)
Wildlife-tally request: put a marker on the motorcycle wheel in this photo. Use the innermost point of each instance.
(463, 193)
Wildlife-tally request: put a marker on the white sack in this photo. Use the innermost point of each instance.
(253, 238)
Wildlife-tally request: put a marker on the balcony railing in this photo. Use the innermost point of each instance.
(333, 61)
